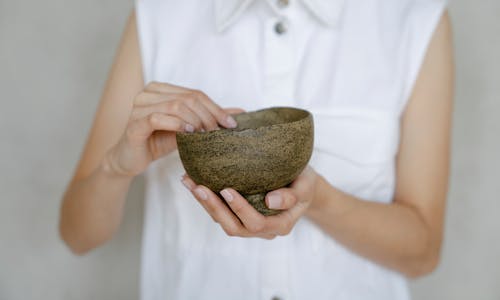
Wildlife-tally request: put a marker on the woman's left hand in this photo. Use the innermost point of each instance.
(241, 219)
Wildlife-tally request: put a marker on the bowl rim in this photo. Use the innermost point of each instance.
(235, 130)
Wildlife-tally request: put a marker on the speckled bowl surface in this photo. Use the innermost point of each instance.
(267, 151)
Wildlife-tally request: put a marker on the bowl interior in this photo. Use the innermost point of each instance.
(268, 117)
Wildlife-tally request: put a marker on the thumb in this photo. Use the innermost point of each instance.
(283, 198)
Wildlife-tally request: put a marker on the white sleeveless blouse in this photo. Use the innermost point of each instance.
(352, 64)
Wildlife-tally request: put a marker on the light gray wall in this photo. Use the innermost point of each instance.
(54, 56)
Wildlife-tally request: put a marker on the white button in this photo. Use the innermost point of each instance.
(283, 3)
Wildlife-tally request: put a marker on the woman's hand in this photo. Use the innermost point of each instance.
(158, 112)
(241, 219)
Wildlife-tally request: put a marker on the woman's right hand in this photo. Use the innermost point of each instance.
(158, 112)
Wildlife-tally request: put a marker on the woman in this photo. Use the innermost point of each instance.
(368, 212)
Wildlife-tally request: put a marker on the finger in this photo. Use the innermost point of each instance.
(210, 112)
(190, 185)
(207, 119)
(253, 221)
(269, 236)
(163, 87)
(219, 212)
(141, 129)
(283, 223)
(188, 182)
(284, 198)
(149, 98)
(174, 108)
(234, 110)
(222, 118)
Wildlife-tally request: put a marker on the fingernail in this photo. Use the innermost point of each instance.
(186, 184)
(227, 195)
(189, 128)
(231, 122)
(274, 201)
(201, 194)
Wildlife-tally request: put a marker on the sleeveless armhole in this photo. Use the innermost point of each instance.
(145, 35)
(421, 26)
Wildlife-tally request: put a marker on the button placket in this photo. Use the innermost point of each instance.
(279, 63)
(280, 7)
(275, 270)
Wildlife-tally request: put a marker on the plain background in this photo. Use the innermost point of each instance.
(54, 58)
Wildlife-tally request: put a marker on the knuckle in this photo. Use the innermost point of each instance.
(209, 210)
(172, 106)
(153, 118)
(221, 115)
(188, 99)
(252, 229)
(256, 228)
(211, 123)
(133, 130)
(197, 124)
(180, 125)
(236, 207)
(286, 225)
(153, 85)
(134, 115)
(270, 237)
(139, 98)
(197, 94)
(290, 199)
(285, 230)
(130, 131)
(230, 231)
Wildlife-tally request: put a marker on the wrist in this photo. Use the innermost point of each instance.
(109, 167)
(330, 202)
(327, 199)
(319, 201)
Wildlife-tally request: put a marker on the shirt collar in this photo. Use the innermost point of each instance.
(228, 11)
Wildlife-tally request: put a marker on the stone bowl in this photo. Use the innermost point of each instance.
(267, 151)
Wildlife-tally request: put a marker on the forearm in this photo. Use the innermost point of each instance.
(92, 209)
(392, 235)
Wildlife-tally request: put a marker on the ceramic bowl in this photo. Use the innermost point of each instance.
(267, 151)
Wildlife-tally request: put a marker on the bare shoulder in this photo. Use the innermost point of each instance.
(444, 29)
(437, 71)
